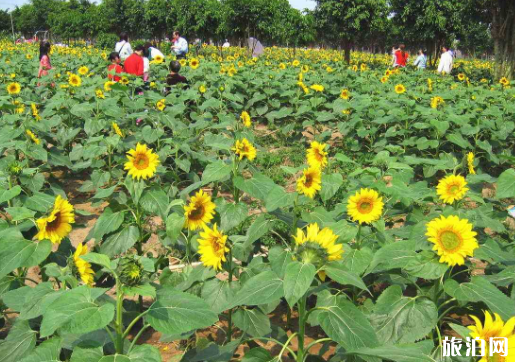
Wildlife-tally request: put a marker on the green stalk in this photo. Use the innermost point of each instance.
(229, 325)
(302, 328)
(119, 320)
(236, 191)
(295, 216)
(358, 237)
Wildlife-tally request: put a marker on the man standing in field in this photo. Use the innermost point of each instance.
(180, 45)
(446, 60)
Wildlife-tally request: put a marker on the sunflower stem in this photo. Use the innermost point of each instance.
(229, 322)
(358, 238)
(295, 216)
(302, 326)
(119, 319)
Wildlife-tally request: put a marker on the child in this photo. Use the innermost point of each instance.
(421, 60)
(134, 64)
(174, 77)
(114, 67)
(44, 59)
(401, 57)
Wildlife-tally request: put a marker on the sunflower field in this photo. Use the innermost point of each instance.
(290, 207)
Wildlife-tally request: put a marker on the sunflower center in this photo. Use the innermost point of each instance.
(141, 162)
(197, 213)
(454, 189)
(309, 181)
(365, 207)
(54, 225)
(450, 240)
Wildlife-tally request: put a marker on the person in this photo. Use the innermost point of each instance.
(226, 44)
(446, 60)
(394, 49)
(421, 61)
(134, 64)
(401, 57)
(180, 45)
(123, 47)
(153, 52)
(146, 64)
(115, 67)
(44, 59)
(174, 77)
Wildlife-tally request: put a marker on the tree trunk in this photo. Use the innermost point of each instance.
(346, 46)
(503, 34)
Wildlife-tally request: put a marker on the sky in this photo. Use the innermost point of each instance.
(298, 4)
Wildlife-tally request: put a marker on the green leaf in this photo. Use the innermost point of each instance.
(259, 227)
(356, 260)
(392, 256)
(20, 341)
(218, 294)
(145, 290)
(174, 226)
(458, 139)
(120, 242)
(399, 319)
(17, 252)
(145, 353)
(252, 321)
(297, 280)
(279, 198)
(259, 186)
(178, 312)
(104, 193)
(6, 195)
(346, 325)
(481, 290)
(216, 171)
(155, 201)
(279, 260)
(19, 213)
(48, 351)
(263, 288)
(108, 222)
(506, 184)
(258, 354)
(330, 185)
(75, 311)
(417, 352)
(37, 299)
(115, 358)
(338, 272)
(232, 215)
(86, 354)
(97, 258)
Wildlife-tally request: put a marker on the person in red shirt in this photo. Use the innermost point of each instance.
(134, 63)
(401, 57)
(115, 67)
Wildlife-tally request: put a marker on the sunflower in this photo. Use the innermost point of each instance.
(83, 267)
(355, 68)
(317, 87)
(194, 63)
(345, 94)
(83, 70)
(117, 129)
(452, 188)
(212, 247)
(436, 101)
(461, 76)
(494, 329)
(453, 238)
(182, 62)
(282, 66)
(74, 80)
(329, 70)
(202, 89)
(56, 226)
(384, 79)
(399, 89)
(244, 148)
(157, 59)
(142, 162)
(100, 94)
(231, 72)
(124, 80)
(20, 107)
(245, 117)
(363, 67)
(108, 84)
(305, 68)
(295, 63)
(199, 211)
(317, 246)
(13, 88)
(161, 104)
(316, 155)
(310, 182)
(470, 163)
(387, 73)
(32, 136)
(504, 81)
(365, 206)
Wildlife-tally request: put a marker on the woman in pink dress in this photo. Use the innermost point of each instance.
(44, 59)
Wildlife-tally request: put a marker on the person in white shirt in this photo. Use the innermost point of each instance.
(153, 52)
(446, 61)
(123, 47)
(226, 44)
(180, 45)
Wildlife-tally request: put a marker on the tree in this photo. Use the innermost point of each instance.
(344, 22)
(503, 34)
